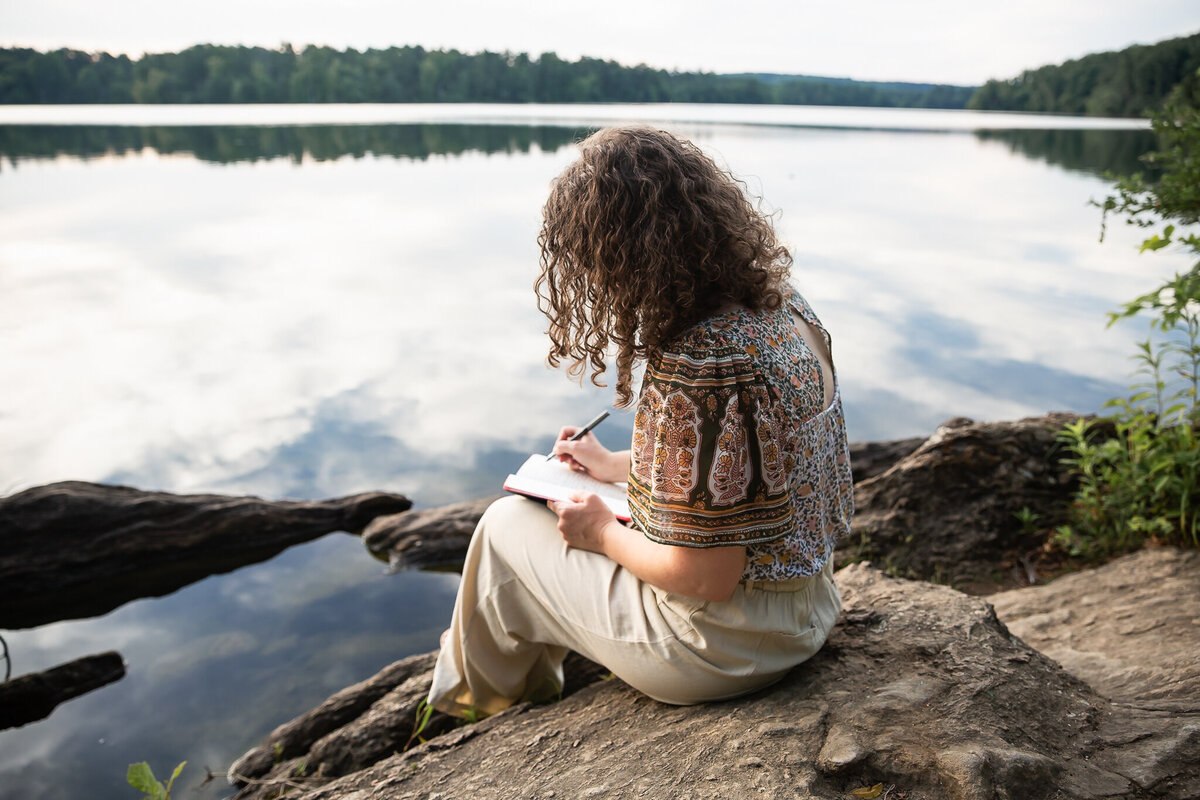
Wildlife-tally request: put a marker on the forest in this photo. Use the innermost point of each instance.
(1125, 83)
(223, 74)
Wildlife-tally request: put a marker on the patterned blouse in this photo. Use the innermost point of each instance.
(732, 444)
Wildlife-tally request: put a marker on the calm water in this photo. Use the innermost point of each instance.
(315, 310)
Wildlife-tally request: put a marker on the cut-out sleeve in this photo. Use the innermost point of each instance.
(707, 466)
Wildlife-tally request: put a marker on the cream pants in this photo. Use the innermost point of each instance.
(526, 599)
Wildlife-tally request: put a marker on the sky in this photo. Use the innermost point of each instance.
(935, 41)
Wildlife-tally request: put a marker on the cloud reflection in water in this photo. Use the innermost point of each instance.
(314, 329)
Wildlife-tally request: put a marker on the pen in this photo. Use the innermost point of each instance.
(582, 432)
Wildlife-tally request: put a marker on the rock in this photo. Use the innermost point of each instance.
(74, 549)
(362, 725)
(947, 511)
(920, 688)
(868, 459)
(31, 697)
(435, 537)
(294, 738)
(1130, 629)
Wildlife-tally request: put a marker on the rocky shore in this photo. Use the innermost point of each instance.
(955, 671)
(921, 690)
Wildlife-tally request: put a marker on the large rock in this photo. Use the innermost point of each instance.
(76, 549)
(948, 511)
(919, 688)
(1131, 628)
(31, 697)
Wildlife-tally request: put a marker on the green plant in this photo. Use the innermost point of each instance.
(1028, 519)
(141, 777)
(424, 714)
(1144, 482)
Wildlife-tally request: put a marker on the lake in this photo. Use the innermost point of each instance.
(311, 301)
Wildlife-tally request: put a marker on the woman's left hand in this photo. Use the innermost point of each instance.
(582, 520)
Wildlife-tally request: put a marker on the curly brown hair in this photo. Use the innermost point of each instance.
(643, 237)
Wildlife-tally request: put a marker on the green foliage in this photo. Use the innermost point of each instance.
(141, 777)
(1127, 83)
(221, 74)
(424, 714)
(1028, 519)
(1144, 483)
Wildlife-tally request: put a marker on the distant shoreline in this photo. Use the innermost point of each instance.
(555, 114)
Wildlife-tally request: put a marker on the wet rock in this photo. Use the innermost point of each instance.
(920, 688)
(74, 549)
(31, 697)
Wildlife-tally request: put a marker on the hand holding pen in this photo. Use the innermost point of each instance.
(584, 453)
(582, 432)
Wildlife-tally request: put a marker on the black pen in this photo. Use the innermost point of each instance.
(582, 432)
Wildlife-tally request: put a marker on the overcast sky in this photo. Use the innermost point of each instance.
(940, 41)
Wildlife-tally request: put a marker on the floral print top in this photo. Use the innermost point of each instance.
(732, 444)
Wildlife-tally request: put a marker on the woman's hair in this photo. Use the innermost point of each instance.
(643, 237)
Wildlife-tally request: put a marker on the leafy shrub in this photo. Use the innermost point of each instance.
(1144, 483)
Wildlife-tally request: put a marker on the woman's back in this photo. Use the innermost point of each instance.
(740, 427)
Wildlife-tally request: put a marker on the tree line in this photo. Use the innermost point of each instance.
(224, 74)
(1126, 83)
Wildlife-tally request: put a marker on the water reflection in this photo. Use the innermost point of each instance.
(229, 144)
(212, 668)
(1095, 152)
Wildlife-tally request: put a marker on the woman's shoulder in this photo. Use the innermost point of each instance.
(732, 336)
(707, 354)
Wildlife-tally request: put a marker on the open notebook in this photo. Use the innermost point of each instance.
(553, 480)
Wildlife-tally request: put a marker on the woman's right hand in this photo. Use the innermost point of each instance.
(587, 455)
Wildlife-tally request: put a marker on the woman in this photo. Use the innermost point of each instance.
(738, 474)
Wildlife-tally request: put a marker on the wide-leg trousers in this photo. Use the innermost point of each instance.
(526, 598)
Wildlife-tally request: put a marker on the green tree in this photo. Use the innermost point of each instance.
(1129, 82)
